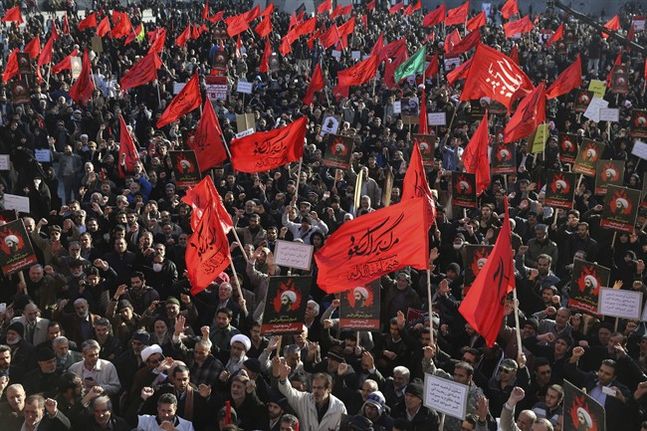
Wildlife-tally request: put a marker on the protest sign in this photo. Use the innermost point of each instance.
(293, 254)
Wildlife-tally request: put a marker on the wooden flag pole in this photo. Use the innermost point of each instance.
(431, 320)
(296, 193)
(516, 322)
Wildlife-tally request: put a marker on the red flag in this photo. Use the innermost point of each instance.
(157, 41)
(316, 84)
(11, 69)
(13, 15)
(324, 7)
(217, 17)
(468, 42)
(268, 11)
(373, 245)
(133, 35)
(185, 101)
(371, 5)
(66, 63)
(450, 40)
(253, 13)
(237, 24)
(66, 24)
(264, 28)
(33, 47)
(475, 157)
(262, 151)
(568, 80)
(631, 34)
(530, 113)
(493, 74)
(477, 22)
(330, 37)
(207, 251)
(557, 36)
(396, 8)
(397, 58)
(459, 72)
(616, 62)
(422, 118)
(646, 70)
(122, 26)
(83, 88)
(458, 15)
(89, 21)
(346, 28)
(285, 46)
(392, 49)
(45, 56)
(104, 27)
(415, 184)
(613, 24)
(514, 53)
(434, 17)
(434, 67)
(358, 74)
(183, 37)
(204, 195)
(142, 72)
(264, 67)
(128, 155)
(523, 25)
(413, 8)
(205, 10)
(379, 45)
(483, 304)
(510, 8)
(346, 10)
(207, 141)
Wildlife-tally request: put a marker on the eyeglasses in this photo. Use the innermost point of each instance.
(507, 370)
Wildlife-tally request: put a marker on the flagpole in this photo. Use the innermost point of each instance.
(516, 321)
(159, 97)
(296, 193)
(233, 269)
(431, 320)
(241, 245)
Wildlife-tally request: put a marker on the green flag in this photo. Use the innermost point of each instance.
(414, 65)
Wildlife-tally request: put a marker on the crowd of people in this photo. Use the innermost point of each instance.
(102, 332)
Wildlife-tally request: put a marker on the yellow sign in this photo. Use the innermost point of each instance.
(598, 88)
(539, 138)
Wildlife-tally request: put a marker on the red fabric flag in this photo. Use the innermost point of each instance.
(122, 26)
(324, 7)
(237, 24)
(183, 37)
(89, 21)
(219, 16)
(346, 28)
(413, 8)
(185, 101)
(493, 74)
(459, 72)
(264, 28)
(364, 20)
(205, 10)
(646, 70)
(133, 35)
(11, 69)
(45, 56)
(13, 15)
(415, 184)
(477, 22)
(557, 36)
(631, 34)
(371, 5)
(83, 88)
(207, 251)
(450, 40)
(264, 67)
(316, 84)
(358, 74)
(253, 13)
(483, 305)
(392, 49)
(434, 17)
(530, 113)
(196, 31)
(373, 245)
(475, 157)
(33, 47)
(285, 47)
(268, 11)
(330, 37)
(613, 24)
(142, 72)
(396, 8)
(510, 8)
(66, 24)
(262, 151)
(514, 54)
(569, 79)
(616, 62)
(66, 63)
(157, 41)
(422, 118)
(346, 10)
(458, 15)
(397, 58)
(523, 25)
(378, 46)
(207, 141)
(434, 67)
(128, 154)
(470, 41)
(204, 195)
(104, 27)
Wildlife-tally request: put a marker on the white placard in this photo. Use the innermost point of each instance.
(244, 133)
(446, 396)
(639, 23)
(437, 118)
(626, 304)
(356, 55)
(330, 125)
(4, 162)
(610, 114)
(451, 63)
(217, 92)
(639, 149)
(593, 110)
(244, 87)
(43, 155)
(15, 202)
(336, 54)
(397, 107)
(293, 254)
(178, 86)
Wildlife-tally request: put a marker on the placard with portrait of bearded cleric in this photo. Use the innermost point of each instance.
(567, 147)
(504, 158)
(360, 307)
(581, 411)
(475, 258)
(587, 280)
(285, 305)
(464, 190)
(620, 208)
(587, 157)
(16, 251)
(609, 172)
(560, 189)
